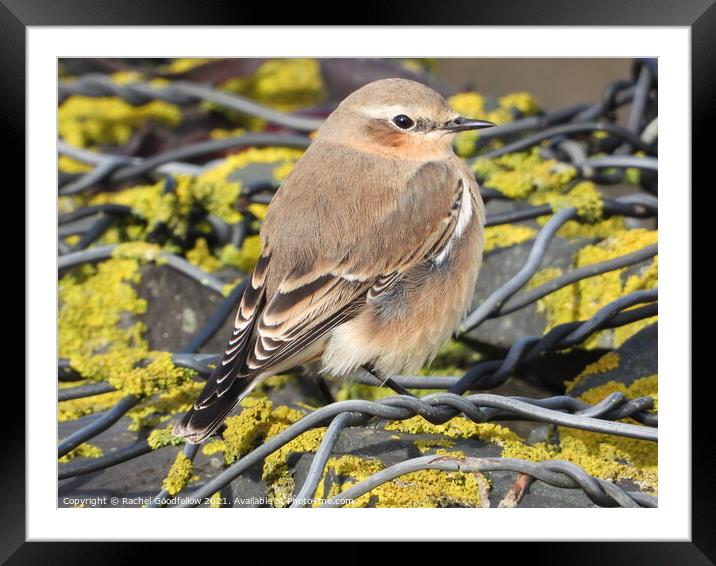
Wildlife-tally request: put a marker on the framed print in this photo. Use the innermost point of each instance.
(406, 272)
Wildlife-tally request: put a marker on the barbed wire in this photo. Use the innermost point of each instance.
(563, 132)
(558, 473)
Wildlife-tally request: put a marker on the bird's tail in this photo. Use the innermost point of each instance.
(202, 420)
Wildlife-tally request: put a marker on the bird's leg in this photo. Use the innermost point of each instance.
(325, 390)
(383, 380)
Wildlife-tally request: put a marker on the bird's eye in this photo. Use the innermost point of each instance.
(403, 122)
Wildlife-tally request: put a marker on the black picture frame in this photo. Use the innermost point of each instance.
(698, 15)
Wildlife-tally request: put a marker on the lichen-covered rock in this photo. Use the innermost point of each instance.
(507, 249)
(636, 359)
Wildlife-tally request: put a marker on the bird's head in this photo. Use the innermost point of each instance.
(397, 118)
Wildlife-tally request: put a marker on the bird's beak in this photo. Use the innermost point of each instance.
(460, 124)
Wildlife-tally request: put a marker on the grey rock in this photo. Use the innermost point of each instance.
(178, 307)
(638, 357)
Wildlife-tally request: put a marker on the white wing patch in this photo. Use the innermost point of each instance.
(463, 221)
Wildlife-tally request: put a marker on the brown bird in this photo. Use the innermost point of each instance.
(370, 251)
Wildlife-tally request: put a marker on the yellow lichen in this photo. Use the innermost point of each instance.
(427, 488)
(161, 437)
(100, 340)
(142, 251)
(179, 474)
(201, 256)
(69, 165)
(244, 431)
(605, 456)
(275, 470)
(85, 450)
(354, 390)
(236, 162)
(92, 303)
(183, 64)
(608, 362)
(524, 102)
(243, 259)
(518, 175)
(581, 300)
(583, 196)
(159, 408)
(427, 445)
(641, 387)
(219, 134)
(507, 235)
(215, 500)
(471, 105)
(284, 84)
(76, 408)
(87, 122)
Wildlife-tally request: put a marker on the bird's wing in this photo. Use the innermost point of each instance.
(293, 301)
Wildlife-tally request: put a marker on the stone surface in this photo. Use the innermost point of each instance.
(178, 307)
(638, 357)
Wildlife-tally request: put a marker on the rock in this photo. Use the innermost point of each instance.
(178, 307)
(502, 264)
(637, 358)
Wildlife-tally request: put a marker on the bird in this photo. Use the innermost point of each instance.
(370, 251)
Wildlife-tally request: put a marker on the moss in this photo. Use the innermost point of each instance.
(179, 474)
(162, 437)
(507, 235)
(85, 450)
(89, 122)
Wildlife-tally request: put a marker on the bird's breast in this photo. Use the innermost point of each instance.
(403, 328)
